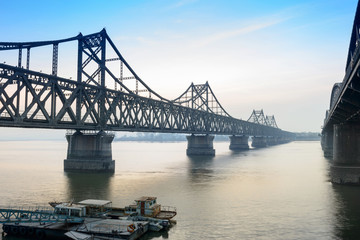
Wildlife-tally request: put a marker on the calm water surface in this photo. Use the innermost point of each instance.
(281, 192)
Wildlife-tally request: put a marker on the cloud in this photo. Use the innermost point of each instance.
(220, 36)
(163, 37)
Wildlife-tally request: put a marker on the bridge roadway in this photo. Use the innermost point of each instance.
(32, 99)
(341, 130)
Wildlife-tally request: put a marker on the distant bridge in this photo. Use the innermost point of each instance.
(108, 95)
(341, 129)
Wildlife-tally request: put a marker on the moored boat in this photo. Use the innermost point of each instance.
(146, 207)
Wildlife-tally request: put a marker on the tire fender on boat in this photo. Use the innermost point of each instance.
(131, 228)
(14, 230)
(23, 230)
(31, 231)
(40, 234)
(6, 228)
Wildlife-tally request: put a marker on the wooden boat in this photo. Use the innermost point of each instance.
(147, 207)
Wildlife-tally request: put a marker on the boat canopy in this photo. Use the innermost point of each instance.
(95, 202)
(70, 209)
(145, 199)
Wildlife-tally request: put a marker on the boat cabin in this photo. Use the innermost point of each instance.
(70, 209)
(95, 207)
(147, 206)
(86, 208)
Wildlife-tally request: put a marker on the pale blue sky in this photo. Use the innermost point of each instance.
(280, 56)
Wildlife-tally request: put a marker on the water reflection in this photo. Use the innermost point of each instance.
(280, 192)
(240, 152)
(7, 237)
(201, 168)
(153, 235)
(82, 186)
(347, 212)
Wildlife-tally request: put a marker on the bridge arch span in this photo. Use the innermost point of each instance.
(335, 94)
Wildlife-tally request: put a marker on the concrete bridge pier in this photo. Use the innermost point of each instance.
(259, 142)
(327, 139)
(89, 152)
(200, 145)
(239, 142)
(346, 159)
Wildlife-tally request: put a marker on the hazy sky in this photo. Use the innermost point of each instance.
(279, 56)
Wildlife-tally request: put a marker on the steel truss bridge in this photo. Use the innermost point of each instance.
(340, 136)
(345, 95)
(108, 95)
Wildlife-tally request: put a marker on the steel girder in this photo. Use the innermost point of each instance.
(258, 116)
(345, 94)
(270, 120)
(201, 97)
(37, 100)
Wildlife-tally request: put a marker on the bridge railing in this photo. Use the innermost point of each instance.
(73, 105)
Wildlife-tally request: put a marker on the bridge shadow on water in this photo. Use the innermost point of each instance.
(152, 235)
(201, 168)
(239, 153)
(82, 186)
(346, 215)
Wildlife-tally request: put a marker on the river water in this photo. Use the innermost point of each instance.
(280, 192)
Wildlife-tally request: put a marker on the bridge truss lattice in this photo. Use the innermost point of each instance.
(257, 116)
(107, 95)
(344, 101)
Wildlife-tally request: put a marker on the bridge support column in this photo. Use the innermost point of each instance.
(259, 142)
(346, 159)
(271, 141)
(239, 142)
(89, 152)
(282, 140)
(200, 145)
(327, 139)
